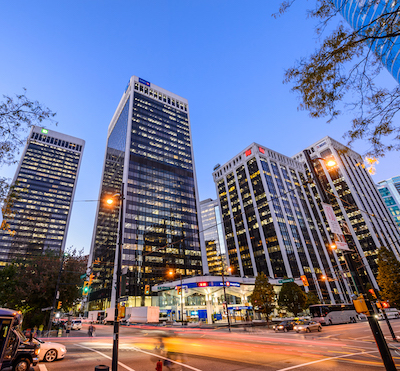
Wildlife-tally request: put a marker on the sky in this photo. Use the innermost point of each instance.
(227, 57)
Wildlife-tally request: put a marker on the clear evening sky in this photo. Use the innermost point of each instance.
(226, 57)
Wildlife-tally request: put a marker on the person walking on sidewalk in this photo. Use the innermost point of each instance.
(159, 365)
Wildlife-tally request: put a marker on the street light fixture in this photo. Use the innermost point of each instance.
(171, 273)
(110, 201)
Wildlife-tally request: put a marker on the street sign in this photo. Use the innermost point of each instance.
(48, 308)
(286, 280)
(163, 288)
(122, 298)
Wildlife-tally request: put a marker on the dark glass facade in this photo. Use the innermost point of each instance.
(45, 182)
(160, 230)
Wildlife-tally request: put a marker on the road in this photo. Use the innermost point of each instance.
(341, 347)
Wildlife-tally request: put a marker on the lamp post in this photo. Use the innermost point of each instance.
(226, 303)
(114, 366)
(373, 323)
(180, 275)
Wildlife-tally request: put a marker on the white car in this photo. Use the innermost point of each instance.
(76, 324)
(50, 351)
(307, 326)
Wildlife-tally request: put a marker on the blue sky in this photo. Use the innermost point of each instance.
(226, 57)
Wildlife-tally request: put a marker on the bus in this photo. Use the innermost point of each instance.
(329, 314)
(16, 350)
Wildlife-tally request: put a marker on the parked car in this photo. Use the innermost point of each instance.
(76, 324)
(307, 326)
(50, 351)
(284, 326)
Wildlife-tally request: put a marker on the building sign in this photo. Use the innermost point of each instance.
(144, 82)
(248, 152)
(45, 131)
(321, 144)
(261, 150)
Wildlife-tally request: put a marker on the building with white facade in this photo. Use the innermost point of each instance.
(44, 183)
(366, 223)
(274, 221)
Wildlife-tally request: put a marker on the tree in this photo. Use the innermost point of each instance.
(263, 296)
(17, 115)
(388, 277)
(29, 285)
(311, 299)
(292, 298)
(341, 74)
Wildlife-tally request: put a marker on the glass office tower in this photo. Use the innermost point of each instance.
(213, 236)
(390, 192)
(149, 151)
(360, 13)
(45, 183)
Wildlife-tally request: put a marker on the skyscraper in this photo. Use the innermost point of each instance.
(390, 192)
(366, 223)
(45, 183)
(274, 220)
(360, 13)
(269, 224)
(149, 150)
(213, 235)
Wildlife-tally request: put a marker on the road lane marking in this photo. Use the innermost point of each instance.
(42, 367)
(323, 360)
(157, 355)
(105, 356)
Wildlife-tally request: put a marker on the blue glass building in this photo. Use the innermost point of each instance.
(390, 192)
(360, 13)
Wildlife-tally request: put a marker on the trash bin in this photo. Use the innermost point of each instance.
(102, 368)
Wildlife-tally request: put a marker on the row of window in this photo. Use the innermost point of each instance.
(56, 141)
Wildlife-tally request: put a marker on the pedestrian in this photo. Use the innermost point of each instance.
(159, 365)
(93, 331)
(90, 330)
(40, 333)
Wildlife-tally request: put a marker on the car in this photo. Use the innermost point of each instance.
(50, 351)
(284, 326)
(76, 324)
(307, 326)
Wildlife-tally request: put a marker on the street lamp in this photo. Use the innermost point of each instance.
(225, 301)
(171, 273)
(110, 201)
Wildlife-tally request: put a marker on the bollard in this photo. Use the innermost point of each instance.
(102, 368)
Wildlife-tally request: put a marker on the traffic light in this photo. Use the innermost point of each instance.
(85, 289)
(304, 280)
(372, 292)
(147, 289)
(178, 290)
(91, 278)
(59, 305)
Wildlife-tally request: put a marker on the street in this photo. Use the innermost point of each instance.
(344, 347)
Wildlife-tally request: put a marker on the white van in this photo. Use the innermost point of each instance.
(76, 324)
